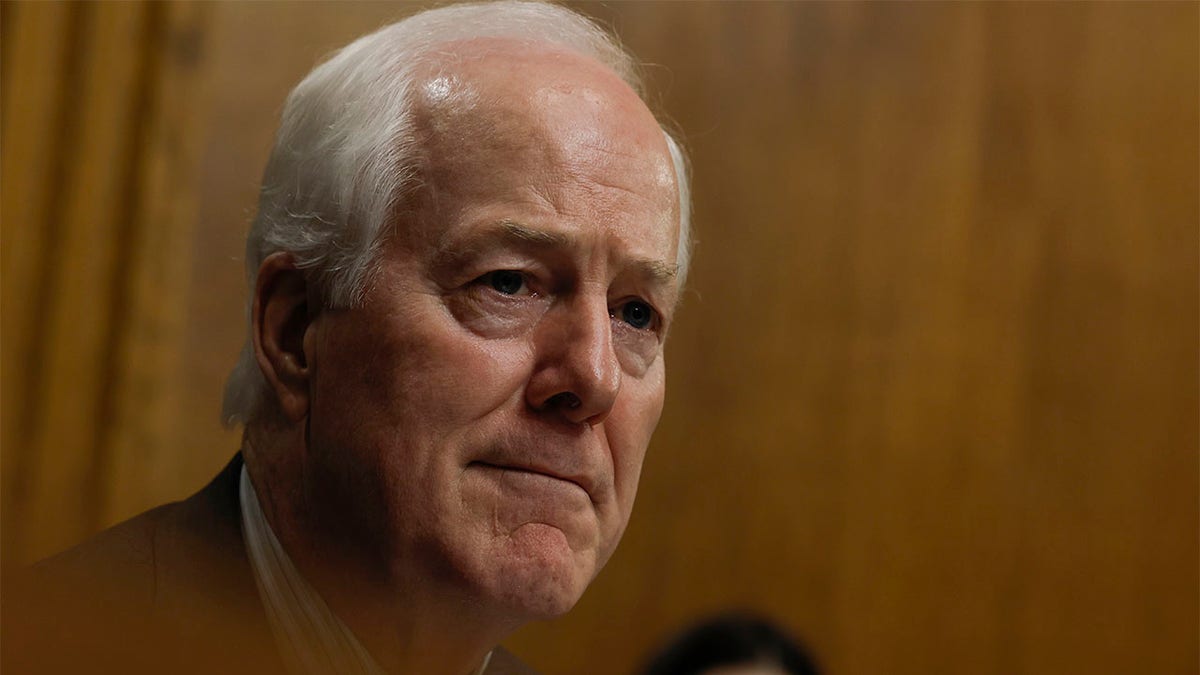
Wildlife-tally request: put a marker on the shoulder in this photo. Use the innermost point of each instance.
(135, 559)
(72, 609)
(119, 560)
(163, 587)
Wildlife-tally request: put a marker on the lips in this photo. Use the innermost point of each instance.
(533, 470)
(564, 466)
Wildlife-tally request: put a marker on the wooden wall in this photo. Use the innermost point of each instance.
(100, 139)
(933, 397)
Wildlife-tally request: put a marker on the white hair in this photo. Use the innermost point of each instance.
(345, 153)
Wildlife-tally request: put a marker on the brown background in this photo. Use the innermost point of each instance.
(933, 396)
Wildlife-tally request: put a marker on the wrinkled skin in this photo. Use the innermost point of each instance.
(471, 437)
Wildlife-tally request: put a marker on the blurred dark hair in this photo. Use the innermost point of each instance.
(731, 639)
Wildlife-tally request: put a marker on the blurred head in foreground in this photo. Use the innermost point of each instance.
(732, 645)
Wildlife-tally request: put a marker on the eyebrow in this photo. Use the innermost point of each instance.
(657, 271)
(515, 230)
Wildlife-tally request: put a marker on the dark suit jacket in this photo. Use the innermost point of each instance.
(170, 590)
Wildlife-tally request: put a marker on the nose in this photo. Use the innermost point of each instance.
(577, 374)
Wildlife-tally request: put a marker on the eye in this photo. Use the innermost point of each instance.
(508, 282)
(637, 314)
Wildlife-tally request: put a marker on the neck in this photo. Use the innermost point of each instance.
(409, 620)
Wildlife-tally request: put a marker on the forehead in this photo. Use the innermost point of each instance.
(504, 74)
(506, 123)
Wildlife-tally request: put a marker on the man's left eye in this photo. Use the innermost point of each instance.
(637, 314)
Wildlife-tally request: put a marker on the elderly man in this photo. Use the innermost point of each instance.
(470, 242)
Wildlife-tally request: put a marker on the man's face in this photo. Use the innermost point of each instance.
(479, 424)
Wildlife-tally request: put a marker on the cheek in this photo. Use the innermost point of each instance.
(397, 406)
(440, 376)
(397, 401)
(630, 427)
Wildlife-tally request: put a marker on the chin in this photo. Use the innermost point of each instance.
(537, 576)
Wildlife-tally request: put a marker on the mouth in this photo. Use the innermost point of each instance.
(533, 473)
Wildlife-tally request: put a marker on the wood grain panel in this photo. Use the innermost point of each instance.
(35, 40)
(141, 459)
(96, 211)
(85, 225)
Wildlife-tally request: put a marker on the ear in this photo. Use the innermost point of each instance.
(279, 320)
